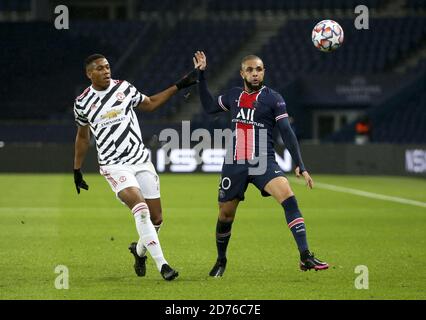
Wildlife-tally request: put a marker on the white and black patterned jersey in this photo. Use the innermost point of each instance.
(113, 122)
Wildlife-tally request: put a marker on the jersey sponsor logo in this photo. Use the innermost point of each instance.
(246, 114)
(111, 122)
(249, 122)
(111, 114)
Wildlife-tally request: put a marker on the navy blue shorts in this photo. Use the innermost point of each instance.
(235, 179)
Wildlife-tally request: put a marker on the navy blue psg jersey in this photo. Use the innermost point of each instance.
(252, 114)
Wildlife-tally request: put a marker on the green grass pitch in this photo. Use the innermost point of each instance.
(44, 223)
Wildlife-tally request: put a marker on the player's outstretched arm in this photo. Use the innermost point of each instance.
(151, 103)
(210, 105)
(82, 141)
(292, 145)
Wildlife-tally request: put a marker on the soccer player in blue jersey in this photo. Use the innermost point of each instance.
(256, 109)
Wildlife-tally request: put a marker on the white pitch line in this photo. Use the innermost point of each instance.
(368, 194)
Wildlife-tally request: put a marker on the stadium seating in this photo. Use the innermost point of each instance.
(163, 5)
(40, 86)
(399, 119)
(405, 124)
(174, 58)
(273, 5)
(289, 56)
(37, 51)
(33, 46)
(415, 4)
(15, 6)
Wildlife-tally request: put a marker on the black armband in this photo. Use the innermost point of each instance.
(188, 80)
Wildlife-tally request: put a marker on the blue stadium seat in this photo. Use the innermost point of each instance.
(274, 5)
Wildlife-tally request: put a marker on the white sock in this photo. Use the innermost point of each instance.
(140, 248)
(147, 235)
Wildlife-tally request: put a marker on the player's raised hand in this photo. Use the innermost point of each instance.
(305, 174)
(200, 60)
(79, 182)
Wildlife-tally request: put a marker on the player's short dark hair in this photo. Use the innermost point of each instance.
(92, 58)
(249, 57)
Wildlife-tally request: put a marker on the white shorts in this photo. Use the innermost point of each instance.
(142, 176)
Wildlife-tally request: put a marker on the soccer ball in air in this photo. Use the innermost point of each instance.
(327, 35)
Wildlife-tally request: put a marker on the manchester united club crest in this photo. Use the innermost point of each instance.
(120, 96)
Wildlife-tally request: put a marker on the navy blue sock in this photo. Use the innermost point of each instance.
(296, 223)
(223, 234)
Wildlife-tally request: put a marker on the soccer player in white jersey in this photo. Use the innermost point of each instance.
(106, 109)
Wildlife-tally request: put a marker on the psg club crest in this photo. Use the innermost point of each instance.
(120, 96)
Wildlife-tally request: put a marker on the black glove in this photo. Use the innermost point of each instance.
(79, 182)
(188, 80)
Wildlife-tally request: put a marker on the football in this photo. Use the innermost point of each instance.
(327, 35)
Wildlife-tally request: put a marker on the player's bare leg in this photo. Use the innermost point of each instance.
(226, 217)
(156, 211)
(280, 189)
(133, 198)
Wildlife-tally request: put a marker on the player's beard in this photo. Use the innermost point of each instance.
(253, 87)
